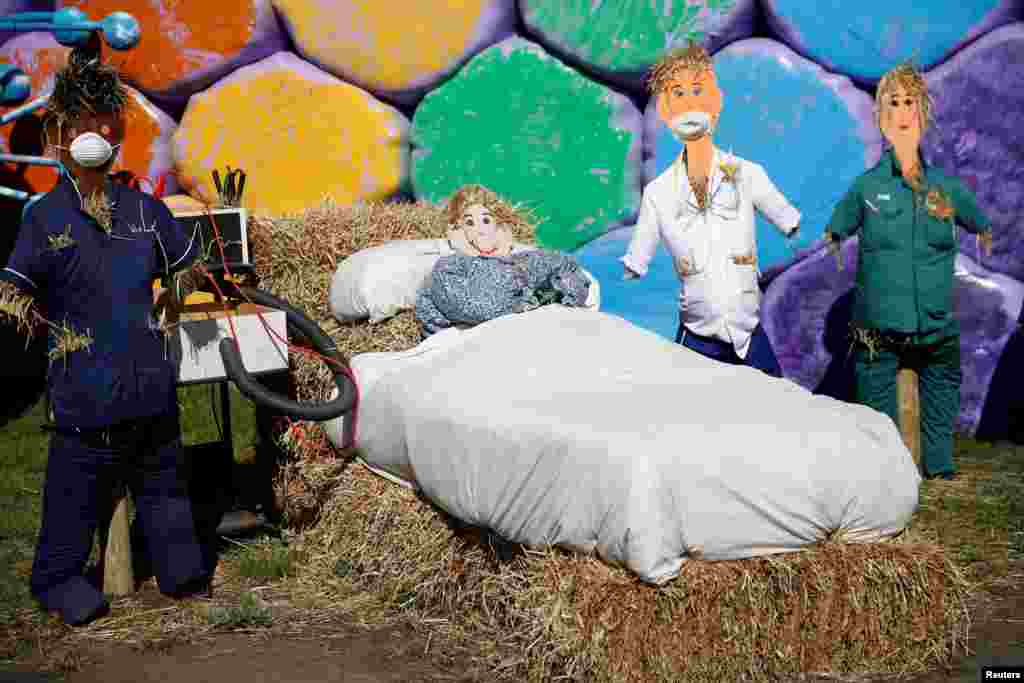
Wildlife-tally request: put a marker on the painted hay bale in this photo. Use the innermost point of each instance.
(186, 45)
(975, 135)
(396, 52)
(811, 130)
(299, 133)
(538, 133)
(8, 7)
(146, 151)
(540, 615)
(863, 40)
(619, 41)
(651, 302)
(40, 57)
(807, 310)
(183, 203)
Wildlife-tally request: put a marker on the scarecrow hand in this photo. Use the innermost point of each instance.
(16, 307)
(166, 308)
(628, 274)
(985, 242)
(835, 248)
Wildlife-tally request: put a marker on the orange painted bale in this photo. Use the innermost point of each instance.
(146, 151)
(186, 44)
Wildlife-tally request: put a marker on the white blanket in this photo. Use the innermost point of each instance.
(577, 428)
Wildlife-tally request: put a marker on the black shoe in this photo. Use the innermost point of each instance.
(76, 619)
(198, 588)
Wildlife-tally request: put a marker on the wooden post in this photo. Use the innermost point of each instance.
(118, 574)
(910, 411)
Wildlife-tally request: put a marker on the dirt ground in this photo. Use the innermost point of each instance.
(387, 656)
(351, 654)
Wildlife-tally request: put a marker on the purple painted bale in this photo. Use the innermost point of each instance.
(807, 310)
(619, 41)
(863, 40)
(397, 51)
(8, 7)
(978, 117)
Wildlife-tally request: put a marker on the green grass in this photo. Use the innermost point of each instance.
(265, 560)
(23, 449)
(979, 516)
(250, 611)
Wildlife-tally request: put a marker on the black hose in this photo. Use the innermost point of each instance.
(324, 345)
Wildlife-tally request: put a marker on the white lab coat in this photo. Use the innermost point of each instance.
(719, 298)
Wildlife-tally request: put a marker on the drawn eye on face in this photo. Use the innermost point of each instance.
(678, 92)
(697, 90)
(468, 221)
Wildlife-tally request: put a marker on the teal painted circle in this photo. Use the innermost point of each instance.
(536, 132)
(866, 38)
(625, 35)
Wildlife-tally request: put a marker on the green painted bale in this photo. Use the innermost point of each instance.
(620, 40)
(537, 132)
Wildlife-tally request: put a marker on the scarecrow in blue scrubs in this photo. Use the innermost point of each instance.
(907, 213)
(83, 264)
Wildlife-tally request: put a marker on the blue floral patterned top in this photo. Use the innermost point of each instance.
(468, 290)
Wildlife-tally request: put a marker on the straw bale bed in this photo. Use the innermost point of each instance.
(543, 614)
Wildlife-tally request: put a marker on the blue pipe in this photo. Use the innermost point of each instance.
(26, 108)
(13, 194)
(26, 159)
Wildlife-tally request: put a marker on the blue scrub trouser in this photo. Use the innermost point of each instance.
(759, 355)
(80, 477)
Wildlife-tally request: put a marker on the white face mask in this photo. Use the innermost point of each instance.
(691, 125)
(90, 150)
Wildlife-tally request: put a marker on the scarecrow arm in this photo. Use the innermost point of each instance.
(770, 202)
(644, 242)
(24, 274)
(968, 214)
(847, 216)
(180, 265)
(428, 315)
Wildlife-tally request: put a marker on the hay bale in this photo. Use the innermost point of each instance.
(882, 608)
(295, 258)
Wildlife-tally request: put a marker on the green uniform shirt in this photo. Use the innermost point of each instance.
(906, 252)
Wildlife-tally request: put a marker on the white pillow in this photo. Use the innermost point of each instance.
(379, 282)
(593, 301)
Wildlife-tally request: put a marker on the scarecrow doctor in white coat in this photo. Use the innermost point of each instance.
(702, 208)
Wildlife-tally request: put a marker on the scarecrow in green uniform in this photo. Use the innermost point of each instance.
(907, 213)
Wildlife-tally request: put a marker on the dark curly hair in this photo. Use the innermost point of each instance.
(86, 86)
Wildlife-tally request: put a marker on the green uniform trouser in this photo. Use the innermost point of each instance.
(938, 368)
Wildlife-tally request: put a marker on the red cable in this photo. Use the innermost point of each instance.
(266, 326)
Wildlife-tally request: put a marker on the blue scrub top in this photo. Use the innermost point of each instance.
(102, 285)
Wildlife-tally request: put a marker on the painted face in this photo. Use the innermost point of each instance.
(691, 104)
(900, 118)
(480, 226)
(108, 126)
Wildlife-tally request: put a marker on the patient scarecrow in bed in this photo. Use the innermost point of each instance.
(488, 275)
